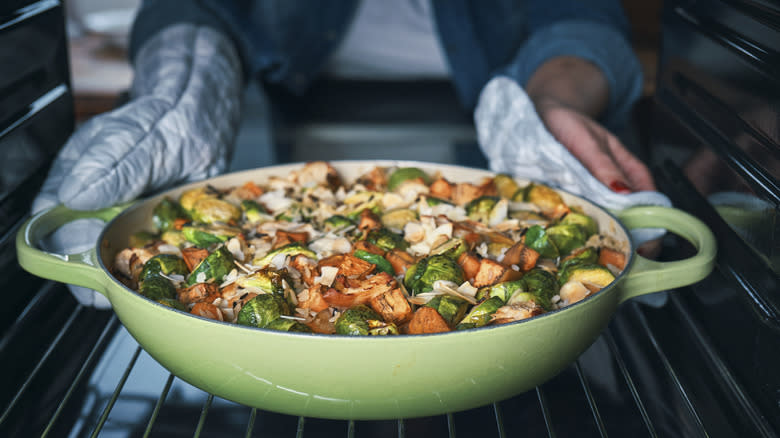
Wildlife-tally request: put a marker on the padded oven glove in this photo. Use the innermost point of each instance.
(515, 141)
(178, 126)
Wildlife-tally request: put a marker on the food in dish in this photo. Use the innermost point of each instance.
(400, 250)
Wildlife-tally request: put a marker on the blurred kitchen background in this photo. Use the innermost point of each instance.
(419, 121)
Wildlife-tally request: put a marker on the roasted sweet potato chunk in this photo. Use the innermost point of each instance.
(427, 320)
(518, 254)
(492, 272)
(193, 256)
(608, 256)
(400, 260)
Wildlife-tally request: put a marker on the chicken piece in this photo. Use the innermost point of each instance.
(199, 292)
(400, 260)
(235, 297)
(351, 292)
(312, 299)
(392, 306)
(369, 221)
(321, 323)
(520, 255)
(248, 191)
(491, 272)
(442, 189)
(207, 310)
(349, 265)
(318, 173)
(306, 267)
(427, 320)
(367, 247)
(375, 180)
(286, 237)
(193, 256)
(516, 312)
(130, 261)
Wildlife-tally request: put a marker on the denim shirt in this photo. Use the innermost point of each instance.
(289, 42)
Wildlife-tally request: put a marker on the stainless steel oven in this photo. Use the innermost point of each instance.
(699, 361)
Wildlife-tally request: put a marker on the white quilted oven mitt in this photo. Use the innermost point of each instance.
(516, 142)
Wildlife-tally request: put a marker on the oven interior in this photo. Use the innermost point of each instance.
(698, 361)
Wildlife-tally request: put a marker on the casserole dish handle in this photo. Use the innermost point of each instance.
(81, 269)
(647, 276)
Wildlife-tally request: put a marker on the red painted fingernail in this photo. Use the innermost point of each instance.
(619, 187)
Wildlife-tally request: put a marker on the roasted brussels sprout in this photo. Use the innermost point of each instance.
(451, 308)
(480, 209)
(254, 212)
(382, 265)
(173, 303)
(480, 314)
(157, 288)
(288, 325)
(163, 263)
(398, 218)
(174, 237)
(337, 222)
(503, 290)
(218, 264)
(542, 284)
(588, 274)
(210, 209)
(421, 276)
(141, 239)
(537, 239)
(567, 237)
(386, 239)
(584, 255)
(433, 201)
(189, 197)
(361, 320)
(402, 174)
(262, 310)
(291, 249)
(203, 236)
(268, 279)
(166, 213)
(587, 223)
(452, 248)
(547, 199)
(507, 187)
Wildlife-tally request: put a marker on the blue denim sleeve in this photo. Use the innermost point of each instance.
(596, 31)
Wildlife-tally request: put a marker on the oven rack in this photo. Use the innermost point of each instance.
(90, 378)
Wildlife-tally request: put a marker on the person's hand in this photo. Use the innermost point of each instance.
(595, 147)
(178, 126)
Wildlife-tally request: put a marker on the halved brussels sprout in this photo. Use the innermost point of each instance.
(262, 310)
(253, 211)
(163, 263)
(503, 290)
(157, 288)
(386, 239)
(361, 320)
(587, 223)
(173, 303)
(479, 209)
(542, 284)
(588, 255)
(537, 239)
(507, 187)
(288, 325)
(433, 201)
(166, 213)
(141, 239)
(480, 314)
(451, 308)
(545, 198)
(337, 222)
(566, 237)
(173, 237)
(210, 209)
(268, 280)
(420, 277)
(398, 218)
(203, 236)
(218, 264)
(291, 249)
(402, 174)
(189, 197)
(452, 248)
(382, 265)
(588, 274)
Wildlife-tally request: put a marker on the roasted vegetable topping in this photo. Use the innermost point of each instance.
(397, 251)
